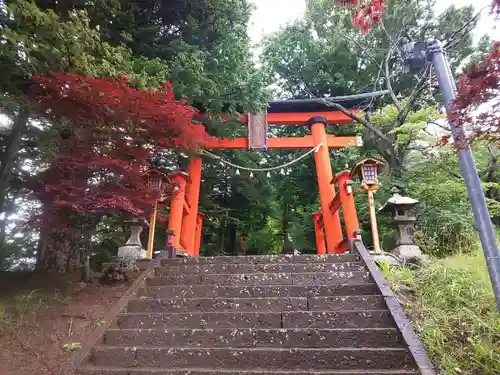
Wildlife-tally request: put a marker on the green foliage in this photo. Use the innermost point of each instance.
(204, 43)
(233, 203)
(324, 54)
(215, 80)
(454, 312)
(294, 56)
(267, 240)
(40, 42)
(37, 42)
(445, 222)
(15, 311)
(417, 121)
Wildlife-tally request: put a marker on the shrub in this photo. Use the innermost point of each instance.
(453, 309)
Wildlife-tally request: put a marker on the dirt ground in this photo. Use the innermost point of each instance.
(44, 318)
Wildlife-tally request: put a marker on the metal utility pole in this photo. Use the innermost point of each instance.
(434, 52)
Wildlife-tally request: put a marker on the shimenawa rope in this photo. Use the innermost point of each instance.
(270, 169)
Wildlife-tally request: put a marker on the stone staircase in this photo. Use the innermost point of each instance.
(293, 315)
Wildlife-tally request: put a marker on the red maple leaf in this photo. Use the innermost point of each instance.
(478, 93)
(367, 14)
(113, 131)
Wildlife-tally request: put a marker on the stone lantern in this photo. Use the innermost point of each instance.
(133, 249)
(399, 208)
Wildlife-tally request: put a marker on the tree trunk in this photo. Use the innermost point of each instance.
(222, 236)
(393, 157)
(57, 249)
(85, 257)
(7, 160)
(57, 245)
(232, 239)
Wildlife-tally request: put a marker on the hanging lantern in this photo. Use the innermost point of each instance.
(251, 174)
(367, 172)
(237, 172)
(370, 174)
(268, 174)
(157, 181)
(282, 172)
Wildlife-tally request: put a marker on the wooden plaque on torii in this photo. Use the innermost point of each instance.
(257, 131)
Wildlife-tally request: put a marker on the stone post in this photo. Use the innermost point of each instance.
(399, 208)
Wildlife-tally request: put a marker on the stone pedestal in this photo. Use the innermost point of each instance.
(406, 250)
(409, 254)
(133, 249)
(168, 253)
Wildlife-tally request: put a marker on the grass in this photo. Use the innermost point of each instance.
(22, 307)
(454, 312)
(21, 310)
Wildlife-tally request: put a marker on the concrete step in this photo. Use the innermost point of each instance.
(102, 370)
(185, 305)
(303, 258)
(259, 320)
(328, 278)
(314, 278)
(214, 291)
(255, 358)
(342, 303)
(259, 268)
(331, 319)
(249, 337)
(200, 320)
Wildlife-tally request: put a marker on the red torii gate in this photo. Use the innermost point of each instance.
(185, 222)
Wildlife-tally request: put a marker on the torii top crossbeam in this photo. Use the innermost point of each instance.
(292, 112)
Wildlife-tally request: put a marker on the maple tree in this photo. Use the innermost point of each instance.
(478, 91)
(111, 132)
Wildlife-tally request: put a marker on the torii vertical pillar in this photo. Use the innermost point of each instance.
(179, 180)
(198, 232)
(333, 230)
(193, 197)
(344, 183)
(319, 234)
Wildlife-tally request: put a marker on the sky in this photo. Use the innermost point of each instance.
(270, 15)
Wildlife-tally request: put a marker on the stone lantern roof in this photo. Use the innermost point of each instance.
(153, 172)
(398, 201)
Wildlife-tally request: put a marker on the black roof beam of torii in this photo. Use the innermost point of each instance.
(321, 104)
(311, 104)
